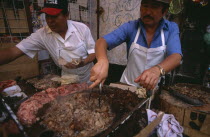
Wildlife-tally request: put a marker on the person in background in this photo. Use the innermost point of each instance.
(64, 39)
(153, 47)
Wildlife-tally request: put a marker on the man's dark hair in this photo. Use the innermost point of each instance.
(165, 7)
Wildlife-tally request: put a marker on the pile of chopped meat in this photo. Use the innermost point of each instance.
(44, 83)
(193, 91)
(78, 115)
(28, 110)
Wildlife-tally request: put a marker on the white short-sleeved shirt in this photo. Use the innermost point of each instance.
(78, 43)
(45, 39)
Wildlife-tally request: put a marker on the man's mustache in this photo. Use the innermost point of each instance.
(148, 17)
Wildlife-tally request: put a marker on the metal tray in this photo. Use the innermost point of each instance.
(193, 88)
(122, 102)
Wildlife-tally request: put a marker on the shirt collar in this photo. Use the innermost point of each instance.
(48, 29)
(162, 25)
(71, 29)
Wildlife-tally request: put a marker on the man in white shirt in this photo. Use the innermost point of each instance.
(62, 38)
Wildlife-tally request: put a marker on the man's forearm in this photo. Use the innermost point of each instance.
(171, 62)
(9, 54)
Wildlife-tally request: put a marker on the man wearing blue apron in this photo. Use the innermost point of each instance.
(153, 47)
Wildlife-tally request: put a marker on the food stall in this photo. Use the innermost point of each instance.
(75, 110)
(36, 101)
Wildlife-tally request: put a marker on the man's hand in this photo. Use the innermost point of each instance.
(149, 78)
(73, 65)
(99, 73)
(77, 63)
(70, 66)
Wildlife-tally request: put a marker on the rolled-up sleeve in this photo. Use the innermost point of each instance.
(31, 44)
(173, 43)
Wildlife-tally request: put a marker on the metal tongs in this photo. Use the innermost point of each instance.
(149, 95)
(100, 92)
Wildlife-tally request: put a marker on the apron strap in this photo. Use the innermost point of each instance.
(149, 49)
(163, 41)
(137, 35)
(81, 40)
(162, 37)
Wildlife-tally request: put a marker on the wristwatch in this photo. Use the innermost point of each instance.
(162, 71)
